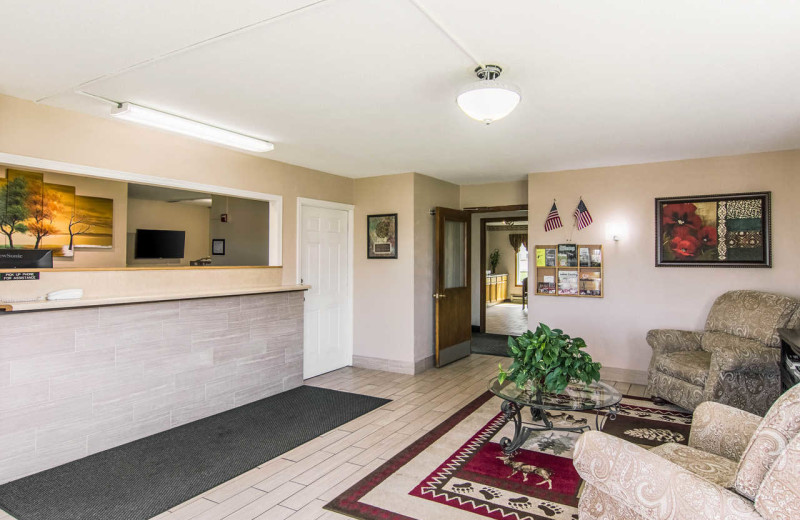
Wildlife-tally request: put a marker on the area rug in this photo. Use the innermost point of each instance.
(458, 471)
(489, 344)
(144, 478)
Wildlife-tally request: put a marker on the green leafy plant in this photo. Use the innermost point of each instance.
(494, 259)
(549, 360)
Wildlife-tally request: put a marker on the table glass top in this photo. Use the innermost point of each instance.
(577, 396)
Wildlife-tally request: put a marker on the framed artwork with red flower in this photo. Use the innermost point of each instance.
(714, 231)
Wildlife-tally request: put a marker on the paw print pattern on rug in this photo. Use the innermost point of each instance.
(550, 509)
(520, 502)
(464, 487)
(490, 493)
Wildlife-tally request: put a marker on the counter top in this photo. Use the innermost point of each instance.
(46, 305)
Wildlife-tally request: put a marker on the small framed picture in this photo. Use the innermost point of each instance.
(218, 246)
(382, 236)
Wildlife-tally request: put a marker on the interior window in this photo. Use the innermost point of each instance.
(522, 265)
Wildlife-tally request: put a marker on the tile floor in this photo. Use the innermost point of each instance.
(298, 483)
(507, 318)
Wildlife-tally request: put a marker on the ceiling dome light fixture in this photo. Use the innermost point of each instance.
(488, 100)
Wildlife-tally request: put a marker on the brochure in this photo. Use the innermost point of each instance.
(567, 255)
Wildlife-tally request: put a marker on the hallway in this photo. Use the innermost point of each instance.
(507, 318)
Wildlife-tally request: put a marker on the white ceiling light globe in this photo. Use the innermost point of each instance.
(488, 100)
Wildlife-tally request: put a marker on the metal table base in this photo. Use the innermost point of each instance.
(522, 431)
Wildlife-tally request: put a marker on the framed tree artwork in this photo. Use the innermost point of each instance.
(382, 236)
(714, 231)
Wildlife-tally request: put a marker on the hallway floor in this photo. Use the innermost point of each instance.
(507, 318)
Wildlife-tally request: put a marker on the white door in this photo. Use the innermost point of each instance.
(324, 265)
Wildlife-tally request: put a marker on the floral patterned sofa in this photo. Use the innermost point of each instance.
(737, 466)
(734, 361)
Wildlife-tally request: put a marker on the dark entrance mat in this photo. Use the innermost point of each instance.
(491, 344)
(143, 478)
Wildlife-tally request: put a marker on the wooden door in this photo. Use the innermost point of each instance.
(453, 296)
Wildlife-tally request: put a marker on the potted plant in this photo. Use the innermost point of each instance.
(494, 259)
(548, 360)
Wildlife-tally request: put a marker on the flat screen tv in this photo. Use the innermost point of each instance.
(159, 243)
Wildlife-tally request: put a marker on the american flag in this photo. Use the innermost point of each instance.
(553, 221)
(582, 216)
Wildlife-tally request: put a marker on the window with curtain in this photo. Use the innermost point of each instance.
(522, 264)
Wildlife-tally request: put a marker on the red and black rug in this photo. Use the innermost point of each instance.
(458, 470)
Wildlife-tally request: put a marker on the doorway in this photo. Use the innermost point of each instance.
(504, 273)
(325, 262)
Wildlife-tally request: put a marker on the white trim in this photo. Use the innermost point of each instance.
(350, 209)
(275, 201)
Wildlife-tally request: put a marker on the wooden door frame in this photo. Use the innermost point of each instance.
(482, 257)
(350, 209)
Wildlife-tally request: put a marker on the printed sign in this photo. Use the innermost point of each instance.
(5, 277)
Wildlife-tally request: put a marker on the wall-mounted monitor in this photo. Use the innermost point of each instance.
(159, 243)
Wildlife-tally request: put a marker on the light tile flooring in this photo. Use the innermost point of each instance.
(507, 318)
(299, 483)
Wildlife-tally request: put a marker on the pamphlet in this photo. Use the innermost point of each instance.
(567, 255)
(597, 257)
(550, 257)
(568, 282)
(546, 288)
(540, 258)
(583, 255)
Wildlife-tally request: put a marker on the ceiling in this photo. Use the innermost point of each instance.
(367, 87)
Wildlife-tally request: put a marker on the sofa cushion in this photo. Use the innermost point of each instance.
(751, 314)
(779, 426)
(690, 366)
(779, 495)
(713, 468)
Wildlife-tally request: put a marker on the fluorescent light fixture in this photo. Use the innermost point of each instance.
(181, 125)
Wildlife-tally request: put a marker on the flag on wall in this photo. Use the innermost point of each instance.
(553, 221)
(582, 216)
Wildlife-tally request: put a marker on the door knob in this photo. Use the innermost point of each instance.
(438, 296)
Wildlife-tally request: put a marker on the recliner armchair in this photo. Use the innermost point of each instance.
(734, 361)
(737, 466)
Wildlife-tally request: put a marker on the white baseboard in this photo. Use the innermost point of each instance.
(624, 375)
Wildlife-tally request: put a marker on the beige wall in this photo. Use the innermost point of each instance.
(155, 214)
(118, 192)
(508, 257)
(428, 194)
(383, 315)
(638, 295)
(494, 194)
(245, 233)
(52, 133)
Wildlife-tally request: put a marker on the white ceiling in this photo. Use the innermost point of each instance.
(367, 87)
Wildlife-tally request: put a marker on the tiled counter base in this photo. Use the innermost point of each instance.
(77, 381)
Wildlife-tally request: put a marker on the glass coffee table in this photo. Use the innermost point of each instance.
(577, 397)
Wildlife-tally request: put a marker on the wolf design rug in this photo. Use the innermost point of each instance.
(458, 471)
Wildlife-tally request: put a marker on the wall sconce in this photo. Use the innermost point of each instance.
(616, 231)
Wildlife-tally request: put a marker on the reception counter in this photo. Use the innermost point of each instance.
(81, 376)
